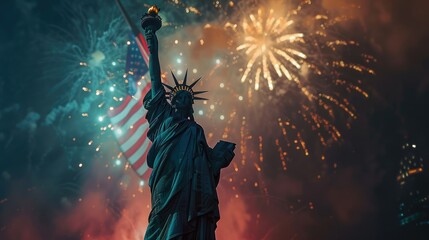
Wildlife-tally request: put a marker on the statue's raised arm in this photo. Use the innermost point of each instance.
(151, 22)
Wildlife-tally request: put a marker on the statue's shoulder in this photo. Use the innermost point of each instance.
(198, 125)
(199, 128)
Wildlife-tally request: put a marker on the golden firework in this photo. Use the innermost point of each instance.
(269, 43)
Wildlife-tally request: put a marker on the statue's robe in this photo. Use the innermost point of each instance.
(182, 183)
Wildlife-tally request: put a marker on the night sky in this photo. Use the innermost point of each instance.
(60, 173)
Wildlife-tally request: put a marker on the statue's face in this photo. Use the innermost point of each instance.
(182, 100)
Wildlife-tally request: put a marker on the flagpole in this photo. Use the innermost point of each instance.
(141, 42)
(133, 27)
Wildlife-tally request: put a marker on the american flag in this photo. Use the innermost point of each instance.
(128, 119)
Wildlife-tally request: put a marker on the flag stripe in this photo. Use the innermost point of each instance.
(121, 107)
(128, 144)
(128, 115)
(137, 145)
(134, 138)
(147, 174)
(129, 104)
(128, 108)
(141, 43)
(122, 116)
(139, 153)
(143, 168)
(141, 161)
(130, 132)
(129, 125)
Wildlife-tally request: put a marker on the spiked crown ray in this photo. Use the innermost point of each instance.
(183, 87)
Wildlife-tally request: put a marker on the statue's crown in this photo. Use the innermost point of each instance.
(183, 87)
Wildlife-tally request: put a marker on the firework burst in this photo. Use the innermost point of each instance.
(87, 61)
(269, 45)
(299, 77)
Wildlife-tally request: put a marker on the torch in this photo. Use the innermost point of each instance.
(151, 22)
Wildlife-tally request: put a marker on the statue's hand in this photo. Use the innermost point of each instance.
(152, 40)
(227, 156)
(221, 159)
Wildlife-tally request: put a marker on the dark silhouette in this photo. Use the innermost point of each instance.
(185, 169)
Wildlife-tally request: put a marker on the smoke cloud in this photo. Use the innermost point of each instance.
(397, 29)
(29, 122)
(53, 114)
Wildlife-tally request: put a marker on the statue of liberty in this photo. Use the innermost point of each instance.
(186, 170)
